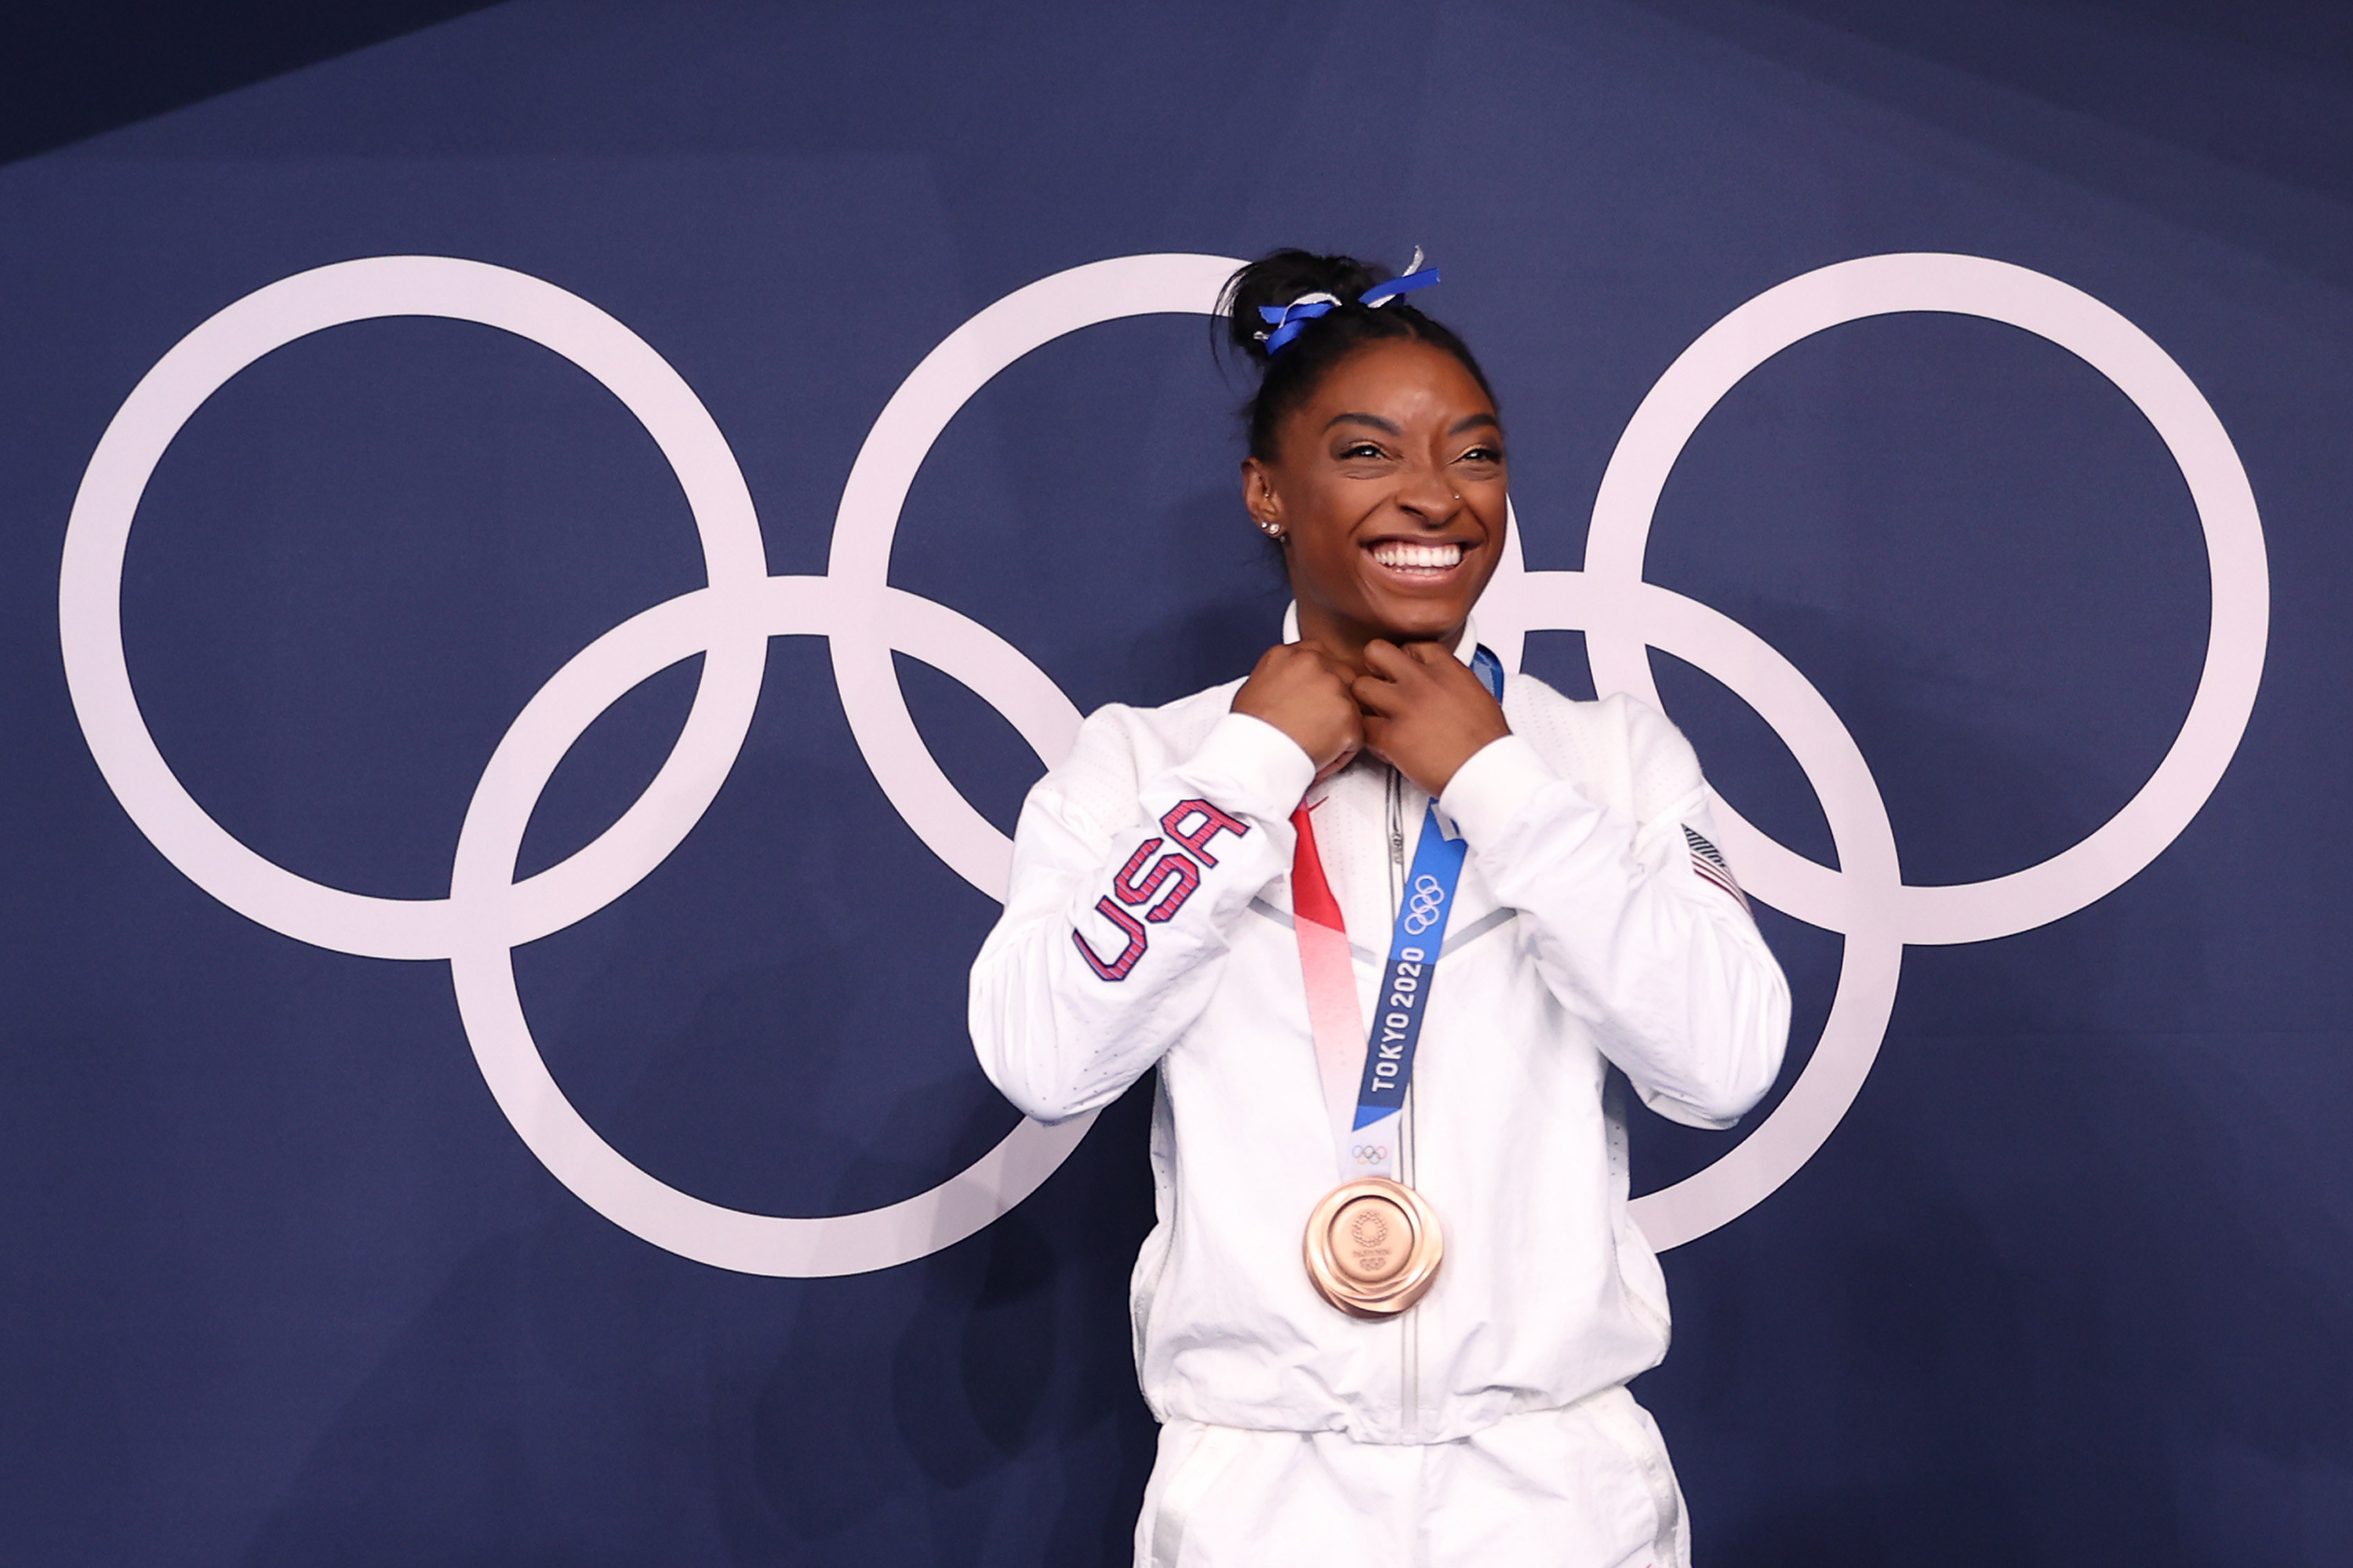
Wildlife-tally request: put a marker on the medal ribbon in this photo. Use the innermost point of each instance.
(1365, 1092)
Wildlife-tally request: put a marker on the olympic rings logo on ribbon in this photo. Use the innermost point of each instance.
(1421, 909)
(487, 913)
(1370, 1153)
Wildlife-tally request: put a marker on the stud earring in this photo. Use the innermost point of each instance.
(1272, 530)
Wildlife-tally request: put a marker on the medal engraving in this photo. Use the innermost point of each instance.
(1373, 1247)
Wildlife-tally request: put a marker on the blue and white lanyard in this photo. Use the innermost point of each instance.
(1417, 941)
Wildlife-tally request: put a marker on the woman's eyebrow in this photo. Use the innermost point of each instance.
(1373, 419)
(1475, 422)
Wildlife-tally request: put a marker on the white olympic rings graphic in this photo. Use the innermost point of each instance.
(487, 913)
(1421, 909)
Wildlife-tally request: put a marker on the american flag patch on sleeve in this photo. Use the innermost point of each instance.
(1709, 861)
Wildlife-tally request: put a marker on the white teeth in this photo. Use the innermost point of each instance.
(1409, 557)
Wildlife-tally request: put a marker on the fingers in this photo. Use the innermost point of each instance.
(1398, 673)
(1379, 691)
(1397, 662)
(1301, 665)
(1376, 695)
(1348, 754)
(1335, 667)
(1351, 742)
(1310, 655)
(1300, 693)
(1400, 677)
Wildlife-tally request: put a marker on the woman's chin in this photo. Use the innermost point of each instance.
(1425, 623)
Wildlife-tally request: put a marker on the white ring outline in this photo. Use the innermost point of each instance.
(729, 621)
(1866, 899)
(866, 527)
(89, 590)
(865, 620)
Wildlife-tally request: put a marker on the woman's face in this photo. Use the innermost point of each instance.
(1387, 483)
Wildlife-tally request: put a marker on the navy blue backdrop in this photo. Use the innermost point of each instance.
(2072, 1280)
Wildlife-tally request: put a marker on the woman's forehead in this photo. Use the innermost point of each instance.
(1401, 379)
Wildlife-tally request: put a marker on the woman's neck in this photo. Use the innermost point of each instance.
(1345, 639)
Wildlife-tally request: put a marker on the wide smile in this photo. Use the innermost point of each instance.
(1421, 563)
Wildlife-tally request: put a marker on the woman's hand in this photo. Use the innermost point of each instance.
(1425, 714)
(1302, 691)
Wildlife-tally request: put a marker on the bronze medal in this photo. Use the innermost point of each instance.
(1374, 1247)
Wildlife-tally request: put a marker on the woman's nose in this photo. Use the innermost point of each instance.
(1424, 493)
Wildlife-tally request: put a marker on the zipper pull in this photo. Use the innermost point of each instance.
(1395, 814)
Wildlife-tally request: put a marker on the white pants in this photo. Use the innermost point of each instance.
(1587, 1487)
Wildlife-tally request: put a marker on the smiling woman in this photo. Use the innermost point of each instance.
(1407, 1302)
(1389, 495)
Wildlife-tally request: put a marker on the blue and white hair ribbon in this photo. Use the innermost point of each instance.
(1284, 321)
(1417, 276)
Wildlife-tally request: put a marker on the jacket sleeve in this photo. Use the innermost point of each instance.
(1115, 932)
(1637, 926)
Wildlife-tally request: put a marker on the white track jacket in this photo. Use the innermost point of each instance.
(1149, 926)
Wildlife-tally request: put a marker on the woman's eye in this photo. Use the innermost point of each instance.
(1482, 454)
(1362, 452)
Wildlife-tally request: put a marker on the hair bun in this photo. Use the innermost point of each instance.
(1281, 278)
(1308, 349)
